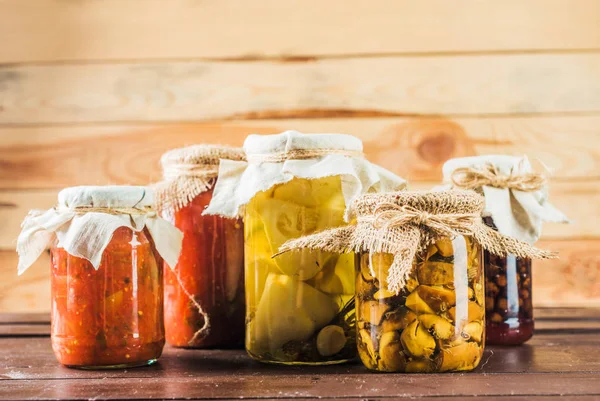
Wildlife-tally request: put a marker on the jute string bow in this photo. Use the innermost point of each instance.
(488, 175)
(406, 223)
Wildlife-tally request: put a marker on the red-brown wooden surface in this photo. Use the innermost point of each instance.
(560, 363)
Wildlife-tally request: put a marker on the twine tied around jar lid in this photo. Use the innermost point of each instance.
(489, 175)
(406, 223)
(300, 154)
(188, 172)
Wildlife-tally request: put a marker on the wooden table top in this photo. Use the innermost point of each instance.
(561, 362)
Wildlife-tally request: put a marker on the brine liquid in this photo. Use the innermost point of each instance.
(435, 324)
(300, 305)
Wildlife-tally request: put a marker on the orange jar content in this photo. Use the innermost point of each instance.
(204, 293)
(113, 316)
(107, 249)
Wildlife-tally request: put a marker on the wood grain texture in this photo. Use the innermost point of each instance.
(545, 353)
(176, 91)
(415, 148)
(58, 30)
(573, 279)
(29, 292)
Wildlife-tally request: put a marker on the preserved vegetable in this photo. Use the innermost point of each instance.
(211, 280)
(204, 291)
(436, 323)
(111, 317)
(300, 305)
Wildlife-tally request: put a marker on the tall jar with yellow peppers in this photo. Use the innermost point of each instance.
(300, 306)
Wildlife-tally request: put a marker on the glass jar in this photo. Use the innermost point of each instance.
(508, 302)
(210, 271)
(300, 305)
(435, 324)
(111, 317)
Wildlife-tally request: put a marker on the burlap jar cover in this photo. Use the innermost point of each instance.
(406, 223)
(190, 171)
(516, 197)
(85, 218)
(187, 173)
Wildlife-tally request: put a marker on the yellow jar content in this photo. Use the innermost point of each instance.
(436, 323)
(300, 305)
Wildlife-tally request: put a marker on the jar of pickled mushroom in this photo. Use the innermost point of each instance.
(419, 281)
(107, 246)
(516, 205)
(300, 307)
(204, 292)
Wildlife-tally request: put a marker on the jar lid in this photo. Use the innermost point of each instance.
(205, 155)
(293, 145)
(110, 196)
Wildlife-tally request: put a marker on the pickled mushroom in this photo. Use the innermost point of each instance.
(439, 327)
(445, 247)
(435, 273)
(474, 312)
(331, 340)
(439, 299)
(431, 250)
(383, 294)
(373, 312)
(474, 331)
(366, 349)
(462, 357)
(420, 366)
(416, 304)
(417, 341)
(381, 263)
(398, 319)
(391, 356)
(289, 310)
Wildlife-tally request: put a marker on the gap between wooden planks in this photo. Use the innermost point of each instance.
(415, 148)
(58, 30)
(572, 280)
(176, 91)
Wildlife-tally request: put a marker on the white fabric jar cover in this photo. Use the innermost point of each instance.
(517, 214)
(80, 226)
(277, 159)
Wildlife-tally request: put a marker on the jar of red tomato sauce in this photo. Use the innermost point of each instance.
(204, 292)
(107, 248)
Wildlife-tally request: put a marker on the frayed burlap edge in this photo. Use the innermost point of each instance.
(188, 172)
(414, 235)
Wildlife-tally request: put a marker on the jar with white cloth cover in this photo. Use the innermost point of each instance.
(516, 205)
(107, 246)
(299, 307)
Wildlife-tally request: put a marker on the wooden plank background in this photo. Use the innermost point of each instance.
(94, 92)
